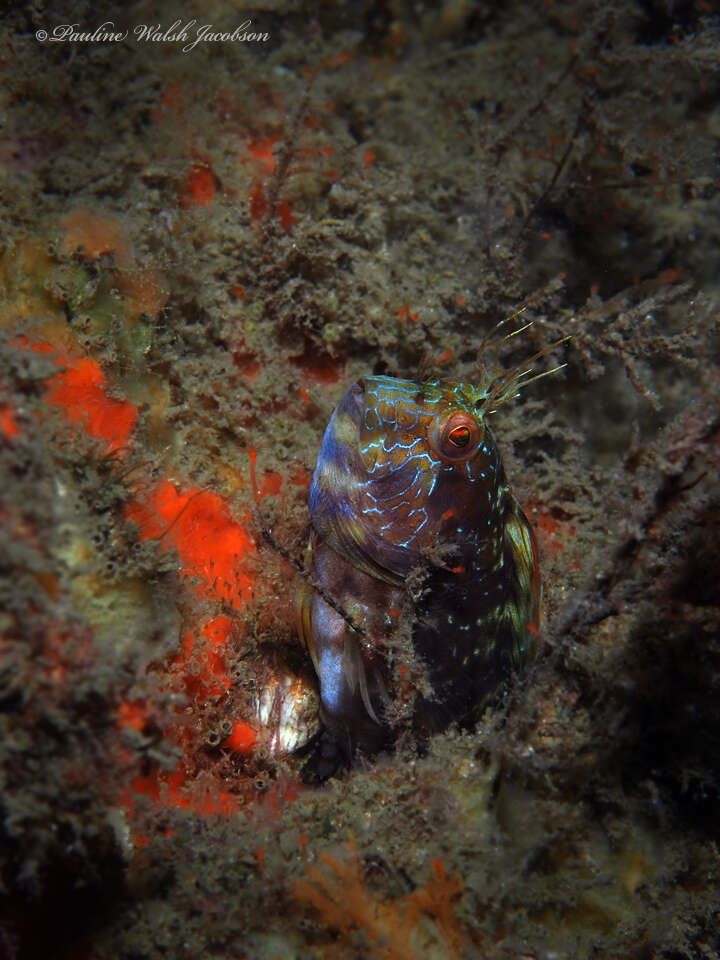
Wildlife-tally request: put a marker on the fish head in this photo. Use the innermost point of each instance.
(402, 465)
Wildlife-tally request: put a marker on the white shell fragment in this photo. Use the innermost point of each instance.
(287, 711)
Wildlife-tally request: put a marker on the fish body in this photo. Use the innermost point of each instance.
(409, 489)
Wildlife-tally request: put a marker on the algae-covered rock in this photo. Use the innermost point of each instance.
(201, 250)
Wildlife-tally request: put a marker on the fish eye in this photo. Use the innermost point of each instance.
(457, 436)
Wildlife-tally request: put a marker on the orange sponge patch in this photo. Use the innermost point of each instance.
(96, 235)
(146, 290)
(261, 152)
(8, 424)
(319, 367)
(204, 663)
(211, 544)
(553, 534)
(198, 189)
(241, 739)
(132, 713)
(78, 391)
(171, 790)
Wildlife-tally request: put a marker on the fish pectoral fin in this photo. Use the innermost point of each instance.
(304, 621)
(525, 612)
(356, 677)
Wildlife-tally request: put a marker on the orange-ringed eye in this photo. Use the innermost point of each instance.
(459, 436)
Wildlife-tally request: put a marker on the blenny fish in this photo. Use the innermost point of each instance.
(410, 510)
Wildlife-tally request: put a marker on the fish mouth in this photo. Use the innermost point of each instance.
(358, 400)
(353, 404)
(354, 412)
